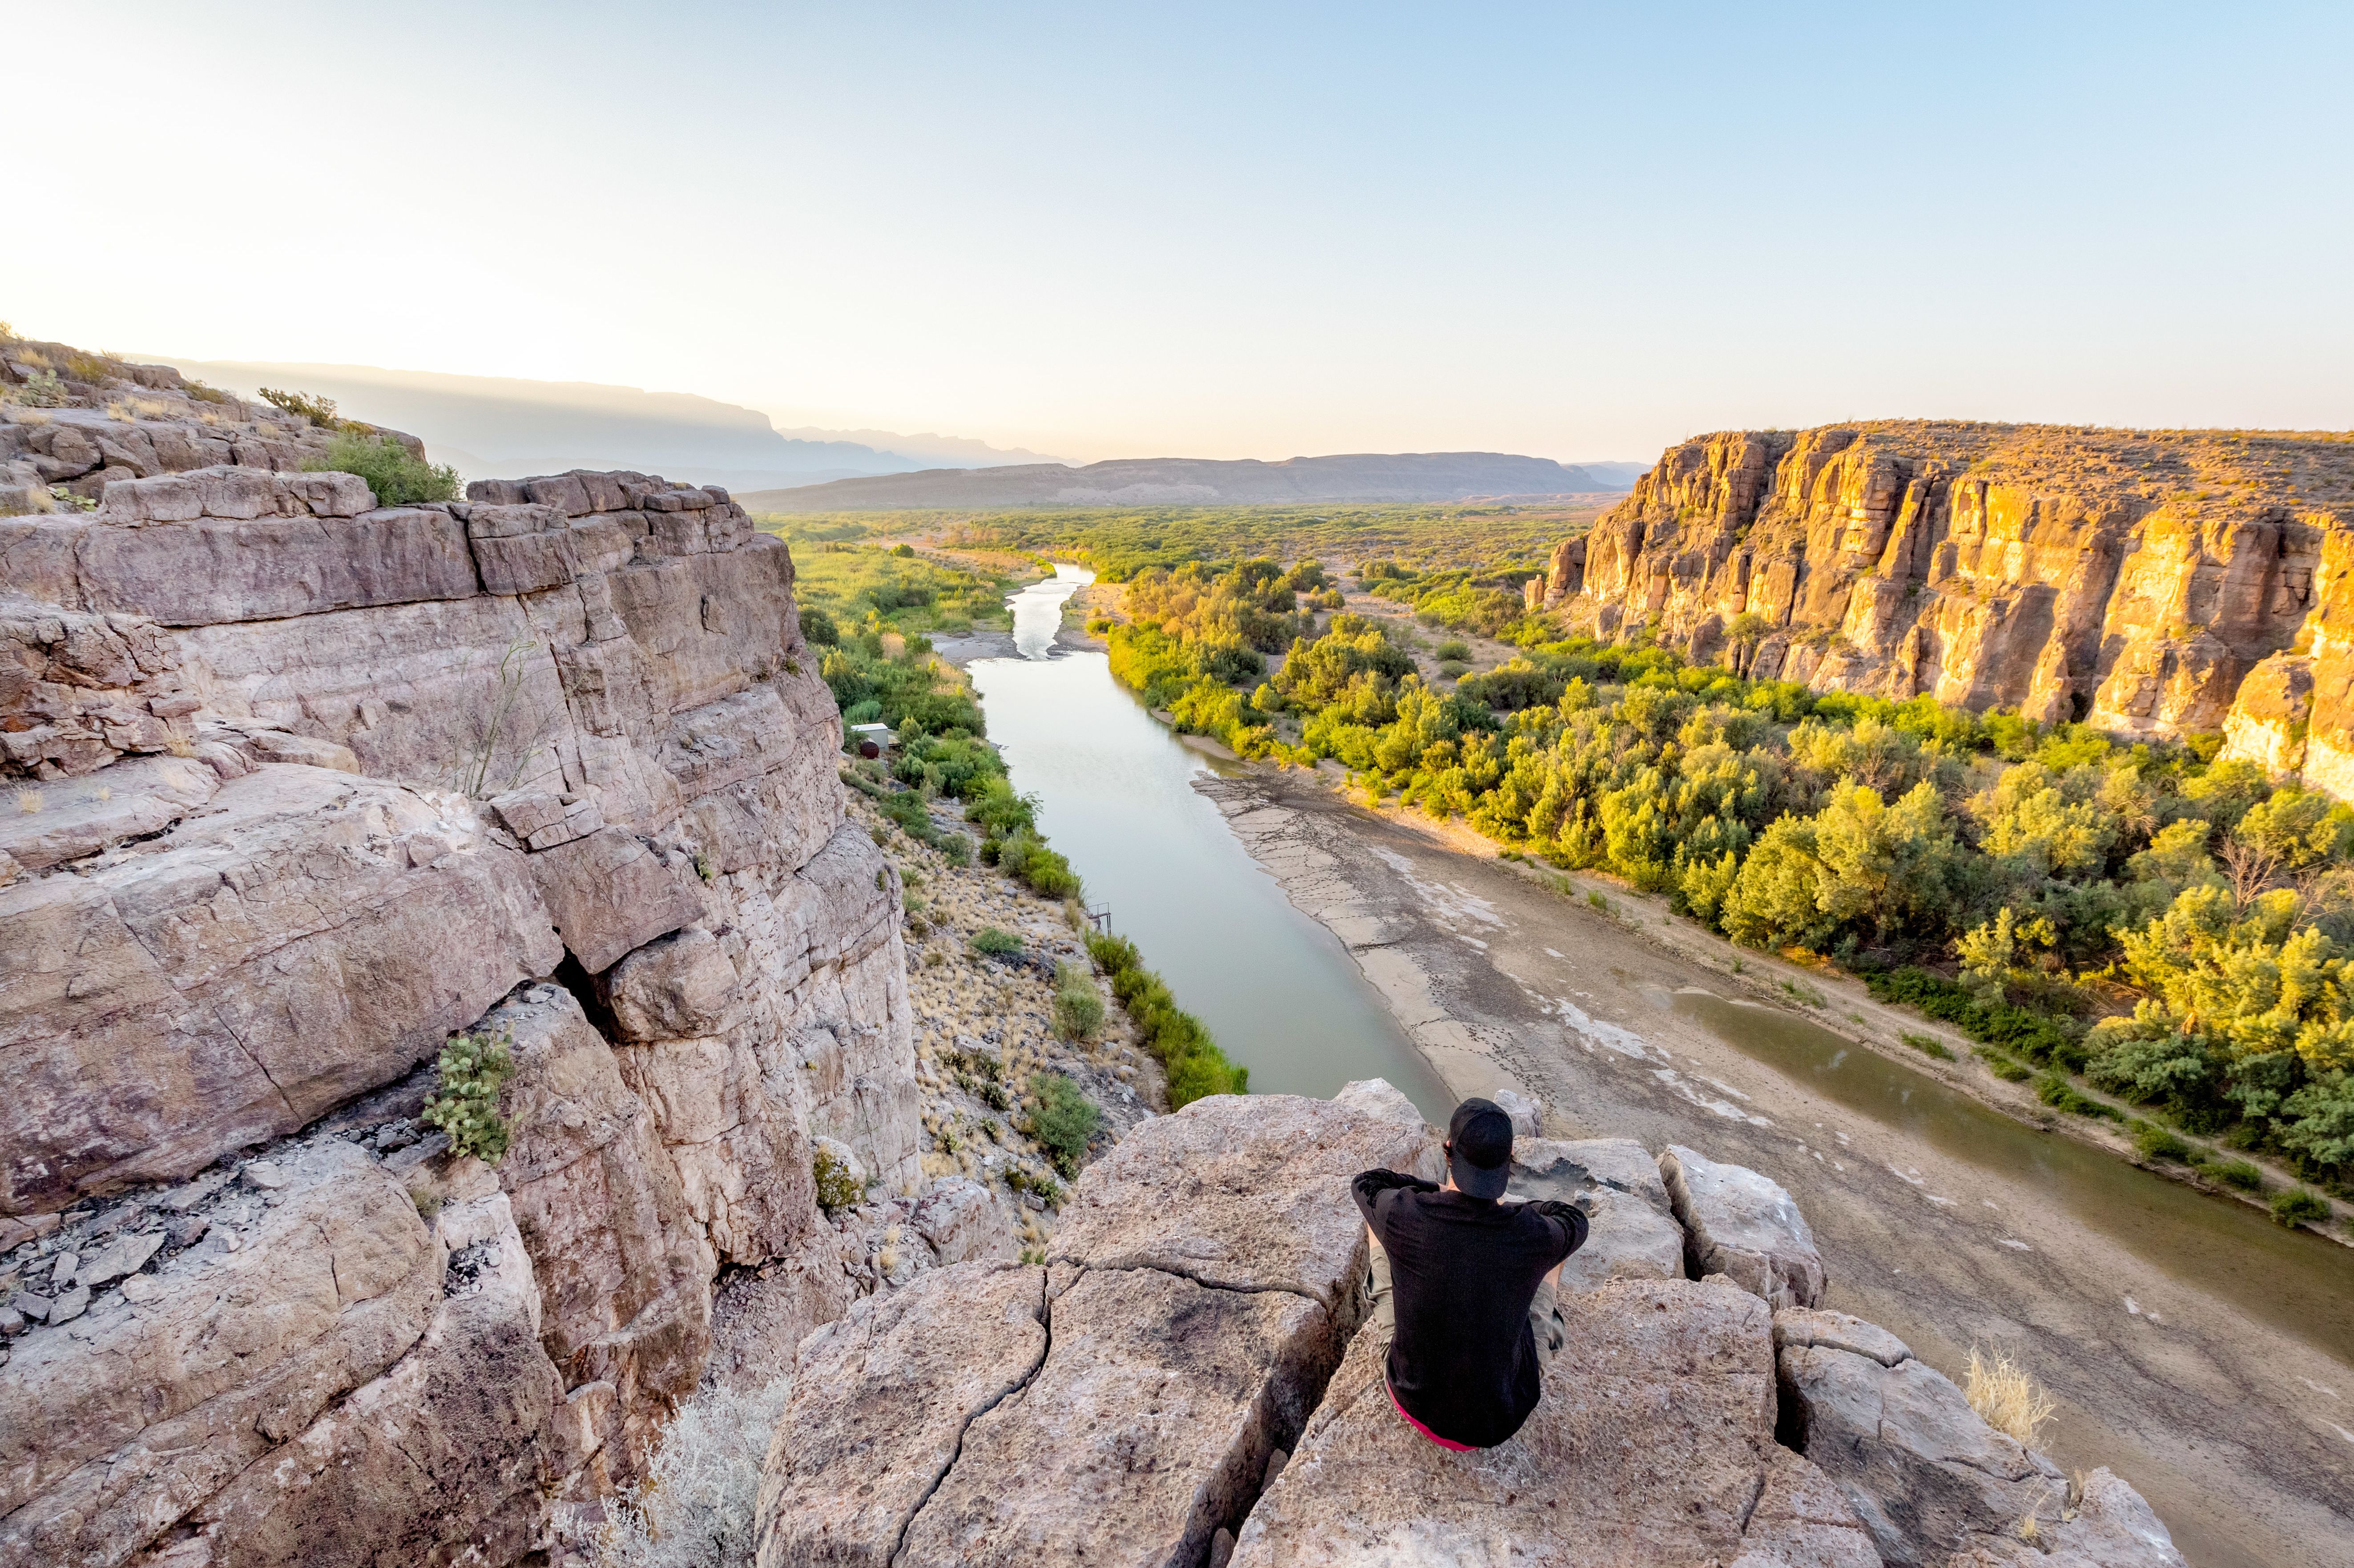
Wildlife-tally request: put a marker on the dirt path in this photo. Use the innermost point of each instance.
(2241, 1437)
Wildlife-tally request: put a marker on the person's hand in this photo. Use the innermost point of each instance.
(1383, 1181)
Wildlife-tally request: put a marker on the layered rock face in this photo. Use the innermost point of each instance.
(1188, 1379)
(2130, 579)
(297, 787)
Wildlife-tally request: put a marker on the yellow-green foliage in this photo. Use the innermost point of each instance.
(474, 1068)
(397, 476)
(837, 1187)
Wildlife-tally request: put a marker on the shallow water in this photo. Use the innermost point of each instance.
(2295, 1281)
(1277, 990)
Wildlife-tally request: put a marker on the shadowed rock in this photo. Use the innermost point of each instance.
(1744, 1227)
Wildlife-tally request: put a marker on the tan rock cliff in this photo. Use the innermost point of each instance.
(2130, 579)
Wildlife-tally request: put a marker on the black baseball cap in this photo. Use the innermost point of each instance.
(1480, 1149)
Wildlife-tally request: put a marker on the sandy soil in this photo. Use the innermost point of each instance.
(2239, 1436)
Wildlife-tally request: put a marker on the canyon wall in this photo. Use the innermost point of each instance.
(296, 785)
(2139, 581)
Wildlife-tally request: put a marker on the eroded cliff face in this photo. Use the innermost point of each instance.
(2129, 579)
(297, 786)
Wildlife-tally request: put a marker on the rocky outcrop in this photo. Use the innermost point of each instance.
(1744, 1227)
(2131, 580)
(1163, 1391)
(302, 786)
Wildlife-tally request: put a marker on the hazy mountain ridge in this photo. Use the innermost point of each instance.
(497, 426)
(1357, 476)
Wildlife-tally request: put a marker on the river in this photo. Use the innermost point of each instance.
(1277, 991)
(2200, 1351)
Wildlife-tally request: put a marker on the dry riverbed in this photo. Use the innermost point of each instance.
(2241, 1434)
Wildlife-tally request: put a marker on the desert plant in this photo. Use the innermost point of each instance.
(2155, 1142)
(474, 1068)
(320, 412)
(1064, 1121)
(696, 1507)
(495, 728)
(2006, 1397)
(1927, 1044)
(397, 476)
(1048, 1190)
(994, 943)
(2299, 1206)
(1455, 651)
(838, 1186)
(2241, 1174)
(42, 389)
(2002, 1067)
(1079, 1006)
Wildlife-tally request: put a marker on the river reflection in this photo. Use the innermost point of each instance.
(1277, 989)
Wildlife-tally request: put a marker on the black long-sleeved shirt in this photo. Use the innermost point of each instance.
(1463, 1271)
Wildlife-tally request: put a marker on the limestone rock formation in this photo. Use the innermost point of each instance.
(1163, 1391)
(2132, 579)
(1742, 1225)
(302, 786)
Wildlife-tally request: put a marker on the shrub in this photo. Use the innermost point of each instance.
(1929, 1045)
(320, 412)
(2299, 1206)
(2240, 1173)
(2002, 1067)
(1064, 1121)
(2155, 1142)
(1023, 1180)
(474, 1068)
(397, 476)
(42, 389)
(994, 943)
(818, 627)
(697, 1505)
(838, 1186)
(1079, 1006)
(1454, 649)
(2006, 1398)
(1195, 1065)
(955, 848)
(2054, 1090)
(1025, 857)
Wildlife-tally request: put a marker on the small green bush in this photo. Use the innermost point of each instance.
(1928, 1045)
(2002, 1067)
(1195, 1065)
(1064, 1121)
(1453, 649)
(818, 627)
(320, 412)
(42, 389)
(2054, 1090)
(2299, 1206)
(837, 1188)
(466, 1106)
(2240, 1173)
(2155, 1142)
(996, 944)
(955, 848)
(1049, 1191)
(1079, 1006)
(398, 476)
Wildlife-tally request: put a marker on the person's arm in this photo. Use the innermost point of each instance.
(1574, 1228)
(1367, 1187)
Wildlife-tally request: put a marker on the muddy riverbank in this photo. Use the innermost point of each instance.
(2202, 1354)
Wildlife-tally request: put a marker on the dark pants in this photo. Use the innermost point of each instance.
(1545, 1324)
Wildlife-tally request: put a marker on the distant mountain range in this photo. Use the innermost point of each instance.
(501, 428)
(1146, 481)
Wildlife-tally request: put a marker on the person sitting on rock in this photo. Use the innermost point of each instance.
(1465, 1285)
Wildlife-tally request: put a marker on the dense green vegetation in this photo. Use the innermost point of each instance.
(1196, 1066)
(857, 586)
(1121, 542)
(397, 476)
(2174, 928)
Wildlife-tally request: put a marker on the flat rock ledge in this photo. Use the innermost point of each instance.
(1181, 1383)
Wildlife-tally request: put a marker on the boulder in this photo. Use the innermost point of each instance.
(961, 1220)
(610, 893)
(673, 988)
(114, 1427)
(1653, 1441)
(1926, 1475)
(1803, 1328)
(1744, 1227)
(1632, 1234)
(1242, 1194)
(883, 1399)
(306, 938)
(1146, 1430)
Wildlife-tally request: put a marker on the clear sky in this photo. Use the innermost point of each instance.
(1220, 230)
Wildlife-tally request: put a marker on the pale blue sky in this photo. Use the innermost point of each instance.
(1222, 230)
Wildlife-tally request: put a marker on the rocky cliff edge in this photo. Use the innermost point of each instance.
(1187, 1378)
(297, 786)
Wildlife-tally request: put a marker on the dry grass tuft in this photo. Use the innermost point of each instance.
(2010, 1401)
(28, 801)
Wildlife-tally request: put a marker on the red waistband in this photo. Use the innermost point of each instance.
(1419, 1426)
